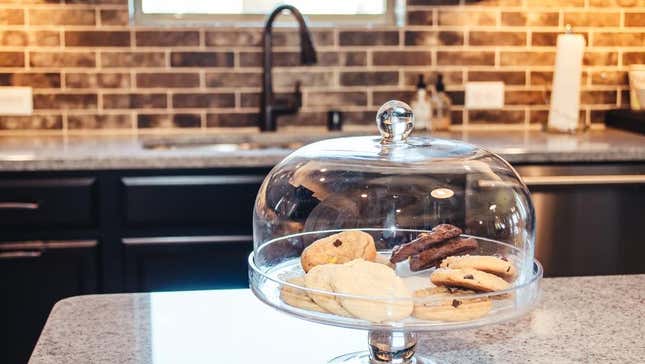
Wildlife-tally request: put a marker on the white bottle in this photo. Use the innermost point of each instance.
(421, 107)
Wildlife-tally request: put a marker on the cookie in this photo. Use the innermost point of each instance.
(320, 277)
(338, 249)
(433, 255)
(363, 278)
(425, 240)
(298, 298)
(445, 307)
(487, 263)
(468, 278)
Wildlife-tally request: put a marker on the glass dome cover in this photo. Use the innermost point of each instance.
(395, 182)
(394, 187)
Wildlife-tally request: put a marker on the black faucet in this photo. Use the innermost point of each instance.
(269, 108)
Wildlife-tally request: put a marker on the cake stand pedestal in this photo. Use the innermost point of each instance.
(396, 347)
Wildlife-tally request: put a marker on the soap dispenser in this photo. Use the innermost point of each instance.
(440, 106)
(421, 106)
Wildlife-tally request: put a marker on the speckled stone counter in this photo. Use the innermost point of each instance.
(579, 320)
(39, 153)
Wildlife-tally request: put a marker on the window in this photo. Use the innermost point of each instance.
(253, 12)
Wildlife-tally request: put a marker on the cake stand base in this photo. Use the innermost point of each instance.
(363, 357)
(386, 347)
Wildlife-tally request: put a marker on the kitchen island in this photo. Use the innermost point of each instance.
(579, 320)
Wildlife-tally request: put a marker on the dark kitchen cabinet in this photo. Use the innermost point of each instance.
(187, 262)
(158, 230)
(219, 201)
(34, 275)
(37, 203)
(188, 231)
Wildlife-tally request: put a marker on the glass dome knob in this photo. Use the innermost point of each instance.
(395, 121)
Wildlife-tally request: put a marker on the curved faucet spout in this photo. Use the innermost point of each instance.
(307, 51)
(269, 111)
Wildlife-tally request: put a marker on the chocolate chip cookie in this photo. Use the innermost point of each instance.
(424, 241)
(434, 254)
(445, 304)
(500, 267)
(468, 278)
(338, 249)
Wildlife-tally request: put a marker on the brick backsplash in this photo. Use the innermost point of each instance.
(92, 71)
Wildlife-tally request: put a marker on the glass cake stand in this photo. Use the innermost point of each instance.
(277, 260)
(393, 186)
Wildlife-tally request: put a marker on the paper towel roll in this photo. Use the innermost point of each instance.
(565, 95)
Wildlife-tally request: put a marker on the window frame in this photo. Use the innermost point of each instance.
(394, 16)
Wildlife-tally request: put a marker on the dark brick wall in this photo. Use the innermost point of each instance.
(93, 71)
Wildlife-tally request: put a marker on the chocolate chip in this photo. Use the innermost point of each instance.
(508, 269)
(504, 259)
(469, 276)
(338, 243)
(456, 303)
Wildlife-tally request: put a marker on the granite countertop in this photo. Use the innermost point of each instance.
(579, 320)
(34, 153)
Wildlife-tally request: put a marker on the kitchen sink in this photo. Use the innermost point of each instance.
(221, 146)
(240, 141)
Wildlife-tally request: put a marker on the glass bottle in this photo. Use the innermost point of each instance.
(421, 106)
(441, 106)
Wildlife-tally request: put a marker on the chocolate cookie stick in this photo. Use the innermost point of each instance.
(424, 241)
(433, 255)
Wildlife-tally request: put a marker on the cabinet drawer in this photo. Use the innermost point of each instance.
(186, 262)
(47, 202)
(36, 274)
(213, 201)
